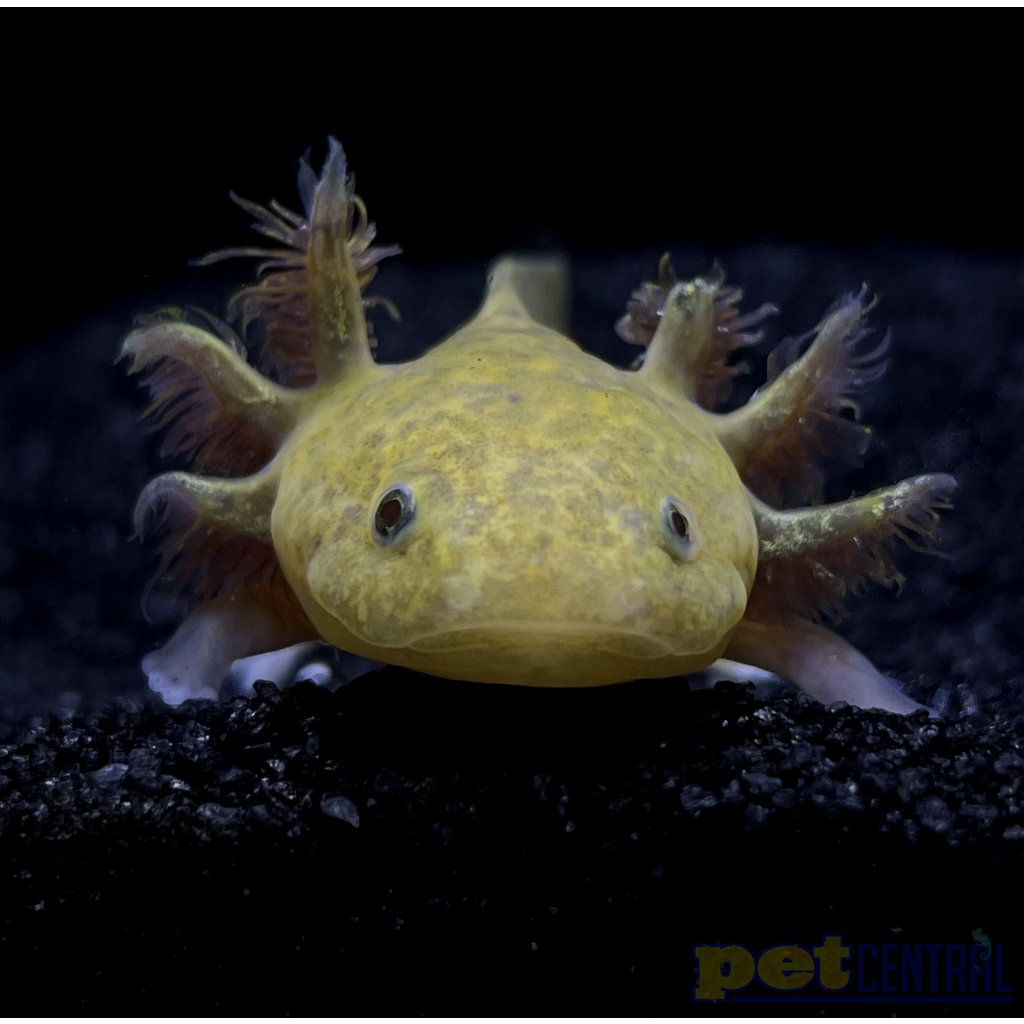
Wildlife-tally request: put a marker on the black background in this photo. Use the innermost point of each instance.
(475, 131)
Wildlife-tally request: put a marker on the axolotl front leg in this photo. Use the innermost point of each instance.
(198, 657)
(819, 662)
(810, 559)
(221, 529)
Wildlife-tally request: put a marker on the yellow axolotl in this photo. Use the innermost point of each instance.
(508, 508)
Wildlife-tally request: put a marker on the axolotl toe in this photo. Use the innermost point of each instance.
(508, 508)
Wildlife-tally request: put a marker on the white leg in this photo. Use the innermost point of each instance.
(818, 661)
(196, 659)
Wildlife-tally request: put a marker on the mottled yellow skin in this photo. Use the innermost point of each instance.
(539, 552)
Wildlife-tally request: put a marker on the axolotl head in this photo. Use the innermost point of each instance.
(508, 508)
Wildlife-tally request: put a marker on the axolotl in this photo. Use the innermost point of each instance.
(507, 507)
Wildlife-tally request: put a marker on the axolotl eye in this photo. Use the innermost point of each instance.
(396, 508)
(680, 529)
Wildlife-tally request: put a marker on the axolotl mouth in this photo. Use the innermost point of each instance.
(515, 633)
(546, 653)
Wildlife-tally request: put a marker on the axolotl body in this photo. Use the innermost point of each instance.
(508, 508)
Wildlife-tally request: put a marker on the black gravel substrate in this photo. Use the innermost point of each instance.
(410, 846)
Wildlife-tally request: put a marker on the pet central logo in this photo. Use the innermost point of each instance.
(867, 972)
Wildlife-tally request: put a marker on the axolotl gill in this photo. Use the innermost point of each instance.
(508, 508)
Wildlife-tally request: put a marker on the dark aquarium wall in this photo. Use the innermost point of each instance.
(402, 844)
